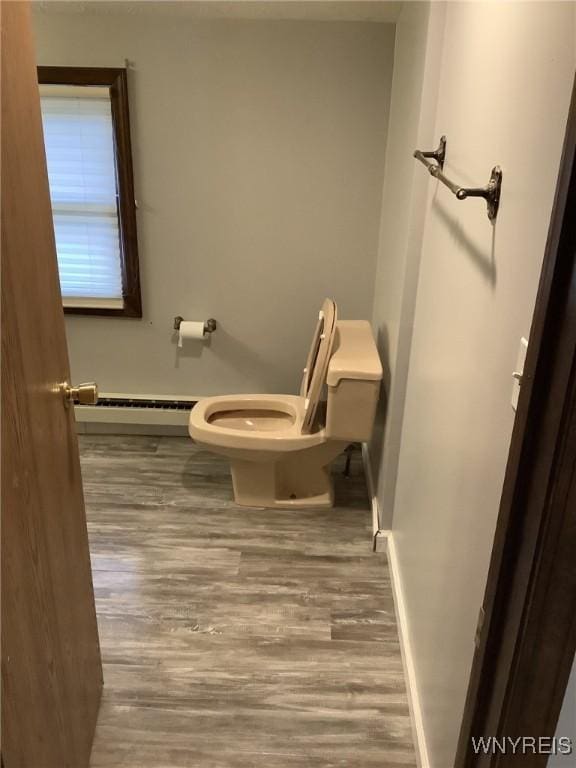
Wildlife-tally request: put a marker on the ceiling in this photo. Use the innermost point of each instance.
(386, 11)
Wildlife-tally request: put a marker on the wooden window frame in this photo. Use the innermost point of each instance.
(116, 80)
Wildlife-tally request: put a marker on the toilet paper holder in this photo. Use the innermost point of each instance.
(209, 326)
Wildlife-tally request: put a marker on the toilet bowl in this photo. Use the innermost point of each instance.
(280, 446)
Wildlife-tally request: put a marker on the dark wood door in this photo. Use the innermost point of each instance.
(51, 668)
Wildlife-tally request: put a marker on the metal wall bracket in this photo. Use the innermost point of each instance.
(490, 193)
(438, 154)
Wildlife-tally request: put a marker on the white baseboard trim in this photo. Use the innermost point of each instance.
(386, 538)
(371, 492)
(406, 650)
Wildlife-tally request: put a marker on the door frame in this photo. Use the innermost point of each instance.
(526, 645)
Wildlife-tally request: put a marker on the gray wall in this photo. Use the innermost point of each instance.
(474, 299)
(259, 157)
(412, 112)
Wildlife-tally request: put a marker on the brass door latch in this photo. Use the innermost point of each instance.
(83, 394)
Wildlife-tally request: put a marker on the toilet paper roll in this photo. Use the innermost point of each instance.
(190, 329)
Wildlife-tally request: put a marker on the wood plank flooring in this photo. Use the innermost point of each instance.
(235, 637)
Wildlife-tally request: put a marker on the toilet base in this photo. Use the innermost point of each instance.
(302, 479)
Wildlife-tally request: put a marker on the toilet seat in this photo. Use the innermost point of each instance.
(271, 422)
(317, 362)
(211, 424)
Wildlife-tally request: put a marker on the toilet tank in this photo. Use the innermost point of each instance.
(353, 380)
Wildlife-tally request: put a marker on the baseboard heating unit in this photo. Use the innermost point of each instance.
(119, 409)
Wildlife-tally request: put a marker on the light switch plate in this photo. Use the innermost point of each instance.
(518, 372)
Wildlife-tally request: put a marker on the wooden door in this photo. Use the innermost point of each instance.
(51, 668)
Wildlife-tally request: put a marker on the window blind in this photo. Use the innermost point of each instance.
(79, 140)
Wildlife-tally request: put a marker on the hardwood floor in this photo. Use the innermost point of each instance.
(234, 637)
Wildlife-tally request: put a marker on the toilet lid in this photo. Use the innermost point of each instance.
(317, 362)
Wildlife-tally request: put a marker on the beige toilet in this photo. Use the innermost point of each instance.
(280, 446)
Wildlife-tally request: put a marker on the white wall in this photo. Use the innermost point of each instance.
(504, 78)
(259, 156)
(417, 52)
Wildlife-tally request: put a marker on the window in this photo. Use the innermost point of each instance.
(87, 139)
